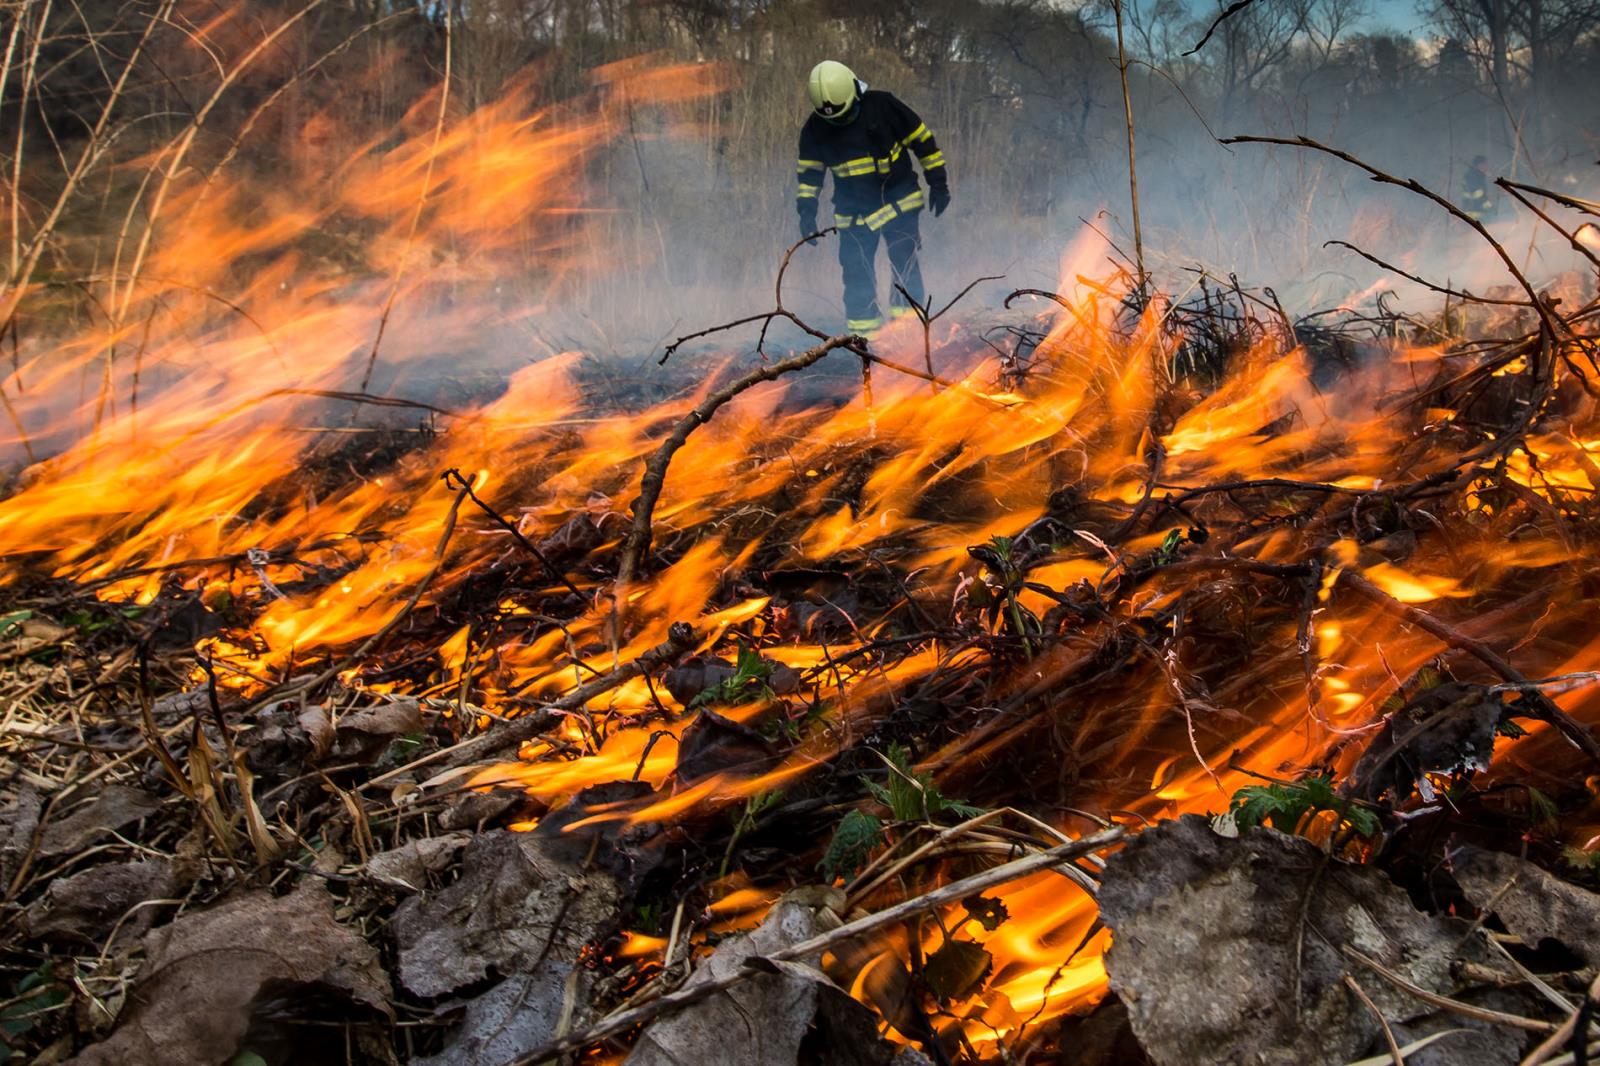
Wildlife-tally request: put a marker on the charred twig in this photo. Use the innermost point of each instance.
(681, 639)
(1413, 185)
(1460, 294)
(927, 316)
(765, 317)
(637, 541)
(363, 398)
(1516, 190)
(456, 480)
(1231, 10)
(1541, 705)
(622, 1021)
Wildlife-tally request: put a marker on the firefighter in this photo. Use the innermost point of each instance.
(866, 137)
(1477, 197)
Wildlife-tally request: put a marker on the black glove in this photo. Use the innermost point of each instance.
(939, 199)
(808, 224)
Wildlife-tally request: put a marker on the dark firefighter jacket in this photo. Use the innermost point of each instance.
(1477, 199)
(870, 157)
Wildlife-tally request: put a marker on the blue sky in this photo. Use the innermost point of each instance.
(1398, 14)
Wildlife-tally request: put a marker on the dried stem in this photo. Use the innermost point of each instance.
(1412, 184)
(622, 1021)
(422, 203)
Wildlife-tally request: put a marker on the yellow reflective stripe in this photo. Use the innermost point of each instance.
(899, 312)
(852, 167)
(863, 325)
(844, 221)
(811, 164)
(929, 162)
(921, 133)
(808, 192)
(880, 217)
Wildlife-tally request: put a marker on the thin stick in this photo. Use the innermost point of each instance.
(681, 639)
(1133, 169)
(388, 627)
(1558, 1039)
(422, 203)
(1455, 1006)
(454, 478)
(622, 1021)
(1388, 1033)
(1541, 705)
(655, 471)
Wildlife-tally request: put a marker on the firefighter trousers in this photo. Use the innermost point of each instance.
(858, 253)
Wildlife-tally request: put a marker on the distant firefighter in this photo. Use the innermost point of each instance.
(866, 137)
(1478, 197)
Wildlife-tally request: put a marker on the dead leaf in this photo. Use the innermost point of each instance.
(288, 738)
(514, 905)
(208, 976)
(87, 906)
(364, 735)
(1447, 729)
(790, 1012)
(957, 969)
(519, 1014)
(523, 909)
(409, 866)
(112, 808)
(713, 744)
(18, 823)
(1214, 937)
(1533, 904)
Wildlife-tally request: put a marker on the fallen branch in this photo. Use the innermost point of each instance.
(622, 1021)
(1542, 706)
(655, 472)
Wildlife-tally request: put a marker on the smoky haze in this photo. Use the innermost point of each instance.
(1026, 101)
(600, 177)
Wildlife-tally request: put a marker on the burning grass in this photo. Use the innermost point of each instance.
(900, 641)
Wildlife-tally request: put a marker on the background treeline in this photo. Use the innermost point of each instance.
(1024, 95)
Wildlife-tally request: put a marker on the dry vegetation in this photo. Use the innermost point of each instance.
(385, 683)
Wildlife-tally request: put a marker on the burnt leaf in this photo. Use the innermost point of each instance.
(957, 970)
(112, 808)
(853, 842)
(1533, 904)
(986, 911)
(1206, 955)
(1445, 728)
